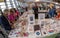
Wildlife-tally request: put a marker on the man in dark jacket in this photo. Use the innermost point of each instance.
(3, 32)
(5, 22)
(52, 11)
(35, 8)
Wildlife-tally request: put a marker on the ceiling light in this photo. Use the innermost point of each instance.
(36, 0)
(56, 3)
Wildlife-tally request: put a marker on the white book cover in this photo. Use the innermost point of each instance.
(30, 29)
(31, 19)
(44, 32)
(41, 16)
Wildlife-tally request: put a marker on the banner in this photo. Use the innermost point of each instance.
(1, 0)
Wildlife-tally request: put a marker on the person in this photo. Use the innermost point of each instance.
(11, 18)
(30, 10)
(2, 29)
(22, 10)
(3, 32)
(26, 8)
(52, 11)
(4, 21)
(35, 8)
(16, 13)
(58, 13)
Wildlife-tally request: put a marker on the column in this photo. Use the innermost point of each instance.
(11, 3)
(6, 4)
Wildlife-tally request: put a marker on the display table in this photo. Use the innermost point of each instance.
(51, 26)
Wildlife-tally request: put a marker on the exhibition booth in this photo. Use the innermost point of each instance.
(29, 27)
(29, 18)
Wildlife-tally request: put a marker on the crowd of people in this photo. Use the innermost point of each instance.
(52, 11)
(8, 18)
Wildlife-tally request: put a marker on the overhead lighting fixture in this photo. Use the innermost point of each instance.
(57, 7)
(36, 0)
(56, 3)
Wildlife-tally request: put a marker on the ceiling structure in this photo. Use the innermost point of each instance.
(20, 0)
(57, 1)
(39, 0)
(33, 0)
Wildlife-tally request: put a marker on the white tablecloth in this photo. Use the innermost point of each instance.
(15, 33)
